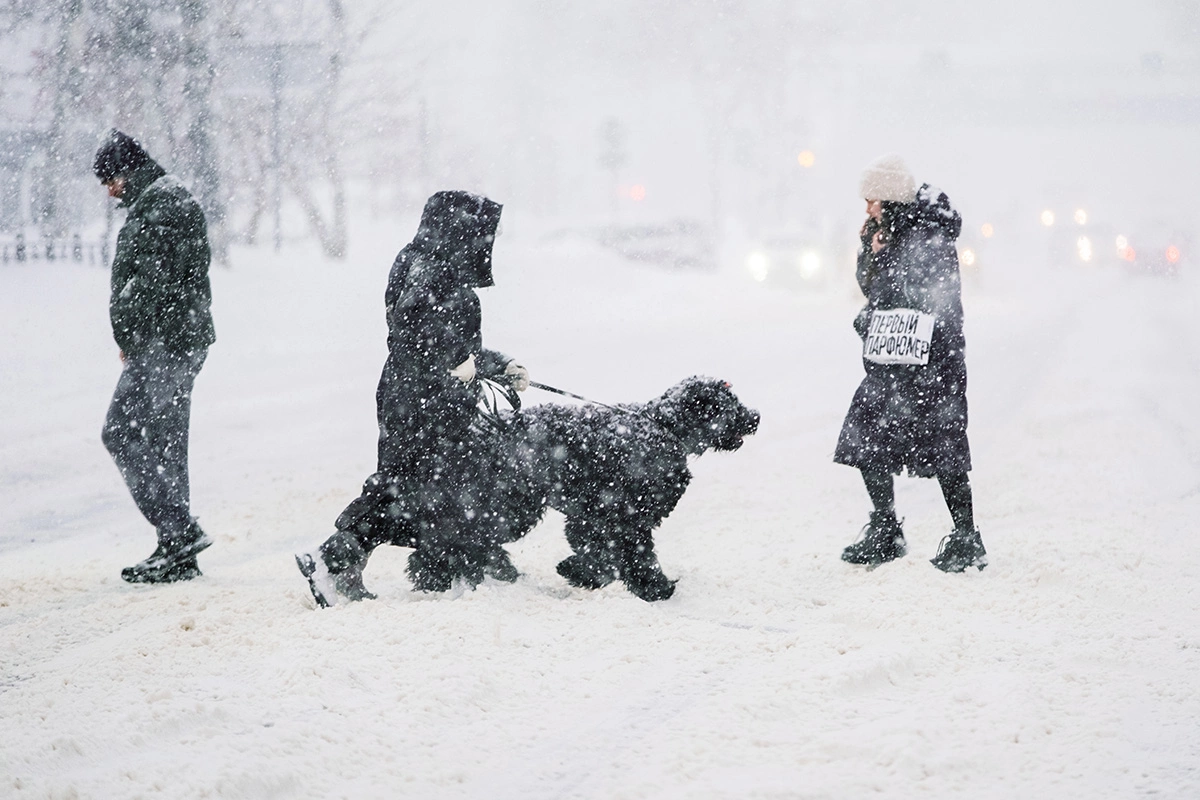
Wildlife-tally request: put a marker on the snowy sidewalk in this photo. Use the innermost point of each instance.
(1068, 668)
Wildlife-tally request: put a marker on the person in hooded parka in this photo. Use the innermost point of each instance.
(910, 411)
(429, 488)
(162, 323)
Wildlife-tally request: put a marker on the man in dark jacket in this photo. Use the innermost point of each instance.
(427, 489)
(910, 411)
(161, 321)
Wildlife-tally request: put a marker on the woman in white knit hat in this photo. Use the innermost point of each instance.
(910, 411)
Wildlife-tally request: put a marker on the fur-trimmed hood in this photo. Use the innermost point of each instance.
(931, 211)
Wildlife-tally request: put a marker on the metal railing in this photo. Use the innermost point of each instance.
(75, 248)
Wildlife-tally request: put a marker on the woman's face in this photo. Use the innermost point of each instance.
(875, 209)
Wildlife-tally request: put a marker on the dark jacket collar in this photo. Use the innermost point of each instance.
(138, 181)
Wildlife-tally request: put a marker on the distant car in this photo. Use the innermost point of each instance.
(1071, 243)
(1156, 252)
(792, 260)
(971, 257)
(678, 244)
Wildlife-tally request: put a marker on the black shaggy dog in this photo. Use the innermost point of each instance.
(615, 472)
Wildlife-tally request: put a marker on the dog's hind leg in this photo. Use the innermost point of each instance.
(594, 564)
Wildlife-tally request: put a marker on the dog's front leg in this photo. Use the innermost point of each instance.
(596, 562)
(640, 569)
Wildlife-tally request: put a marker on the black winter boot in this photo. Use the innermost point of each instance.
(173, 560)
(334, 571)
(346, 560)
(183, 571)
(881, 541)
(320, 582)
(959, 550)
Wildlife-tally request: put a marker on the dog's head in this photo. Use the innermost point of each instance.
(705, 414)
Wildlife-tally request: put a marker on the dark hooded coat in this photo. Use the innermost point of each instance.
(160, 287)
(904, 416)
(430, 459)
(434, 320)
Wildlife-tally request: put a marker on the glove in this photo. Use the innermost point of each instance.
(465, 371)
(518, 376)
(862, 321)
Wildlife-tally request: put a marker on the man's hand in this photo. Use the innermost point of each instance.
(518, 376)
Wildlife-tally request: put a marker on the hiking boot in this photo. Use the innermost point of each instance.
(174, 557)
(320, 582)
(183, 571)
(498, 565)
(345, 559)
(959, 550)
(349, 584)
(881, 541)
(187, 543)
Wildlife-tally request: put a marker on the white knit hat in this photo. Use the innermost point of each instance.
(887, 178)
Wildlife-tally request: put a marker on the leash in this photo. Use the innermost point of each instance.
(493, 416)
(490, 414)
(572, 395)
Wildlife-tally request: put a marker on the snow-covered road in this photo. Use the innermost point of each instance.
(1068, 668)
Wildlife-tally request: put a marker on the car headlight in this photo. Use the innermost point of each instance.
(1084, 246)
(758, 264)
(809, 265)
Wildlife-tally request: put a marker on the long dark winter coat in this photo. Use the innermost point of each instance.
(427, 456)
(434, 321)
(160, 288)
(903, 416)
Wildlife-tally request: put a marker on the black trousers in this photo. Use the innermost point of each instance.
(439, 498)
(146, 432)
(956, 489)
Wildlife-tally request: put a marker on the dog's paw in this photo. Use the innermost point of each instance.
(429, 574)
(585, 573)
(651, 588)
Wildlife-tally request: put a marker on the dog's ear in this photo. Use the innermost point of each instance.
(703, 413)
(698, 406)
(719, 420)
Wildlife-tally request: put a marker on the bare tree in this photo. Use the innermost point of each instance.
(160, 69)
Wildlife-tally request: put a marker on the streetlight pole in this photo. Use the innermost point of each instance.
(276, 159)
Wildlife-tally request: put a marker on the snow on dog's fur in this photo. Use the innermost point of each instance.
(615, 473)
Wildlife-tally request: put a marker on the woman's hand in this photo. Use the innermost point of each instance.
(863, 321)
(518, 376)
(878, 242)
(465, 371)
